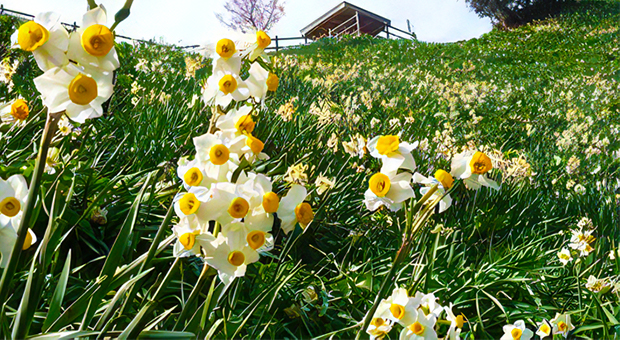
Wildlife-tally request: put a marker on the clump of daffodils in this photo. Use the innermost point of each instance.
(389, 187)
(226, 211)
(78, 67)
(13, 200)
(225, 85)
(419, 315)
(581, 239)
(560, 325)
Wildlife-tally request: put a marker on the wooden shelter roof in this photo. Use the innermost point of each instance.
(369, 23)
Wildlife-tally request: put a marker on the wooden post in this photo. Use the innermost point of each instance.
(387, 31)
(277, 47)
(305, 40)
(357, 22)
(1, 9)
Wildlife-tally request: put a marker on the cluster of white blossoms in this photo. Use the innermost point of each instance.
(227, 212)
(225, 84)
(560, 325)
(78, 67)
(391, 188)
(78, 70)
(419, 315)
(580, 242)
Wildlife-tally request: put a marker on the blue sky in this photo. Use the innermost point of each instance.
(188, 22)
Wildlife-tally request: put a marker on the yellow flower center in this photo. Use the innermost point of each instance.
(417, 328)
(564, 256)
(219, 154)
(397, 311)
(97, 40)
(32, 35)
(562, 326)
(238, 207)
(271, 202)
(304, 213)
(189, 204)
(444, 178)
(188, 240)
(516, 333)
(377, 322)
(245, 124)
(256, 239)
(19, 109)
(236, 258)
(272, 82)
(387, 144)
(193, 177)
(255, 144)
(262, 39)
(545, 328)
(228, 84)
(27, 240)
(82, 89)
(225, 48)
(480, 163)
(460, 321)
(379, 184)
(10, 206)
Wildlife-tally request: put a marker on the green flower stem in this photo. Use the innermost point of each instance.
(413, 225)
(7, 276)
(192, 297)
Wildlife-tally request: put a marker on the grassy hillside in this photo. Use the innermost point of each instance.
(542, 100)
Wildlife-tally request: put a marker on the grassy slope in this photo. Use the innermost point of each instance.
(543, 93)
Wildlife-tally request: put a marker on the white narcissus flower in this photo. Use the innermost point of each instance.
(218, 154)
(394, 153)
(191, 236)
(581, 241)
(225, 86)
(472, 167)
(292, 209)
(92, 45)
(456, 323)
(422, 328)
(254, 45)
(261, 81)
(230, 257)
(73, 90)
(428, 304)
(517, 332)
(8, 236)
(444, 182)
(544, 329)
(16, 110)
(564, 256)
(13, 199)
(401, 307)
(231, 202)
(192, 173)
(388, 189)
(194, 203)
(380, 325)
(236, 122)
(46, 38)
(258, 239)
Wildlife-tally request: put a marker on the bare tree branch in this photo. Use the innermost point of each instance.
(251, 15)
